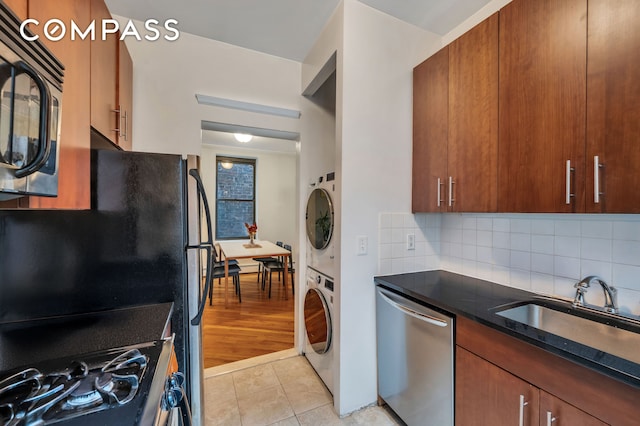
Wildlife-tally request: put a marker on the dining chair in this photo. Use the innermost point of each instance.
(218, 272)
(262, 260)
(278, 266)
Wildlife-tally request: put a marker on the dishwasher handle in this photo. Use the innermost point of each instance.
(411, 312)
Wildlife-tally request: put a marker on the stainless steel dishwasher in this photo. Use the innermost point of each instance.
(415, 360)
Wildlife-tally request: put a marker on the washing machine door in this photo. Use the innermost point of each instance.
(319, 218)
(317, 321)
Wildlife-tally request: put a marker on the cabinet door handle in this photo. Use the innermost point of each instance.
(569, 169)
(118, 128)
(596, 179)
(550, 418)
(126, 126)
(439, 192)
(523, 403)
(451, 199)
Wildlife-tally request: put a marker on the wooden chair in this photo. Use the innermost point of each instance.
(278, 266)
(262, 260)
(218, 272)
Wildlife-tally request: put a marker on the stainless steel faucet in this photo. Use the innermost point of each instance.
(610, 293)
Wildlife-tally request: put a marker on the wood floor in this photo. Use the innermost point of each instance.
(257, 326)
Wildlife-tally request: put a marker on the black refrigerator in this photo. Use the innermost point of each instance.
(139, 244)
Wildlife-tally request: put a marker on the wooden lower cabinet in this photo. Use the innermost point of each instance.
(494, 369)
(489, 395)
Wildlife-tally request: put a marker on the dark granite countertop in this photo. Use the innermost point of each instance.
(475, 299)
(28, 342)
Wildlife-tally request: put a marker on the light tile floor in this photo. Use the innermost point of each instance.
(283, 393)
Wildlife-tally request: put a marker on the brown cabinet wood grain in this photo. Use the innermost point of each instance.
(580, 395)
(613, 107)
(488, 395)
(125, 97)
(19, 7)
(104, 71)
(542, 105)
(473, 119)
(74, 179)
(430, 132)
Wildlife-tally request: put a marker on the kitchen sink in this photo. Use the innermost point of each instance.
(613, 334)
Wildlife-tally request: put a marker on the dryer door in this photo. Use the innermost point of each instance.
(317, 321)
(319, 218)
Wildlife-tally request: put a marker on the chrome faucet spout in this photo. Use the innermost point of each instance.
(610, 293)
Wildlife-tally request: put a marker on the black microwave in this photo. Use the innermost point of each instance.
(30, 110)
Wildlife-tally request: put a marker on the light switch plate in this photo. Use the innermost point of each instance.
(411, 241)
(363, 243)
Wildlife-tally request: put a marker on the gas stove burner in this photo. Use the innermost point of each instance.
(100, 382)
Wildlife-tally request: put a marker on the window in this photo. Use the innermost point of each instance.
(235, 196)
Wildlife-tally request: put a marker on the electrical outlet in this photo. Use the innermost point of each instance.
(362, 245)
(411, 241)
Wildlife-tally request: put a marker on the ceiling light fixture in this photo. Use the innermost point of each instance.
(243, 137)
(226, 164)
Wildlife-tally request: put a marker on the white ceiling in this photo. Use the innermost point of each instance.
(284, 28)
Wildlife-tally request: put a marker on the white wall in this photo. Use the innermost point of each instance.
(375, 165)
(276, 190)
(167, 75)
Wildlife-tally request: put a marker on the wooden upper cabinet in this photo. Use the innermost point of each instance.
(104, 71)
(613, 107)
(542, 105)
(19, 7)
(473, 119)
(74, 177)
(430, 132)
(125, 97)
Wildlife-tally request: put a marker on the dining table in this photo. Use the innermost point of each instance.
(235, 250)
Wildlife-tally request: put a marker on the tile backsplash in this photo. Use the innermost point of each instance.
(544, 253)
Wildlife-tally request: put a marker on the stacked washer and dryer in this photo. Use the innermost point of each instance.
(318, 302)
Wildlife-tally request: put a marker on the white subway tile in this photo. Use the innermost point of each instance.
(542, 244)
(421, 249)
(398, 250)
(469, 252)
(629, 301)
(564, 287)
(624, 230)
(500, 275)
(521, 226)
(521, 242)
(626, 276)
(385, 267)
(596, 249)
(520, 260)
(433, 262)
(566, 267)
(542, 283)
(421, 220)
(485, 224)
(397, 235)
(453, 235)
(594, 267)
(469, 237)
(410, 221)
(501, 240)
(452, 221)
(543, 227)
(520, 279)
(484, 254)
(385, 236)
(542, 263)
(484, 238)
(484, 271)
(385, 251)
(420, 263)
(597, 228)
(397, 221)
(566, 246)
(469, 222)
(501, 257)
(469, 268)
(567, 228)
(501, 225)
(627, 252)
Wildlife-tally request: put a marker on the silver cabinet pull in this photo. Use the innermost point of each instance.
(569, 169)
(126, 124)
(451, 199)
(439, 192)
(550, 418)
(118, 128)
(596, 179)
(523, 403)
